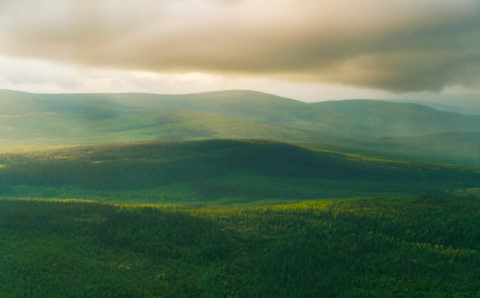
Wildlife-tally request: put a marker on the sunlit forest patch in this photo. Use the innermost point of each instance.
(344, 247)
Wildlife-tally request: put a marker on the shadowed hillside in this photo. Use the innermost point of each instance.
(233, 171)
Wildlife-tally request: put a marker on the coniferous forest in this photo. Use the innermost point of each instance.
(376, 247)
(234, 218)
(239, 148)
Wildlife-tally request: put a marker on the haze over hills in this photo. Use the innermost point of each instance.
(468, 104)
(109, 188)
(60, 119)
(381, 118)
(366, 118)
(79, 119)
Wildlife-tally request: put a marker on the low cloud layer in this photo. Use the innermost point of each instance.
(392, 45)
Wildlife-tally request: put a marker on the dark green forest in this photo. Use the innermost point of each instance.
(234, 218)
(408, 246)
(236, 194)
(218, 172)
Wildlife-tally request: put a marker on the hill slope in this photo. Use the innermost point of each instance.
(69, 119)
(468, 104)
(47, 120)
(354, 118)
(217, 172)
(350, 118)
(381, 118)
(455, 147)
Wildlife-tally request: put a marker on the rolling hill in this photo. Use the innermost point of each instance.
(447, 147)
(218, 172)
(384, 128)
(39, 120)
(390, 119)
(231, 217)
(350, 118)
(468, 104)
(454, 147)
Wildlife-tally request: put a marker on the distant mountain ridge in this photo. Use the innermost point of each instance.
(468, 104)
(59, 119)
(394, 119)
(371, 118)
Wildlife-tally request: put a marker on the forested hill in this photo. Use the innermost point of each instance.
(95, 114)
(384, 128)
(220, 169)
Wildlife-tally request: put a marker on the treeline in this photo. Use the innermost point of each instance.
(413, 246)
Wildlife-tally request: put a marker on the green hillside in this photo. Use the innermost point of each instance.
(446, 147)
(468, 104)
(29, 119)
(455, 147)
(329, 213)
(391, 119)
(217, 172)
(388, 247)
(251, 105)
(349, 118)
(387, 129)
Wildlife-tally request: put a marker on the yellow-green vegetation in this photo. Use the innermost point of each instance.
(469, 192)
(383, 247)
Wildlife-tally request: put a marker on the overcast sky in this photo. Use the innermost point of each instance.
(305, 49)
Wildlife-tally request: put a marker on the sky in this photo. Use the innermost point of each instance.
(305, 49)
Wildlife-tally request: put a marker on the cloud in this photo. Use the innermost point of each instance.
(392, 45)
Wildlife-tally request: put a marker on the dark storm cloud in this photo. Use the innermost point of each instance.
(392, 45)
